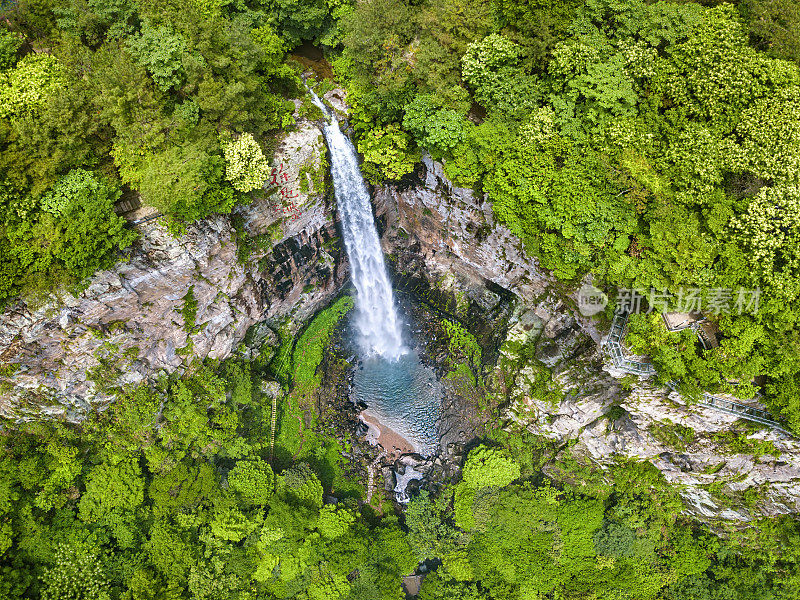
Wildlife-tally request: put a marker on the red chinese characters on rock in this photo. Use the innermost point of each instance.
(280, 178)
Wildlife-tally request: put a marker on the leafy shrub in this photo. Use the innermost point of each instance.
(246, 167)
(387, 154)
(160, 50)
(437, 130)
(489, 467)
(30, 84)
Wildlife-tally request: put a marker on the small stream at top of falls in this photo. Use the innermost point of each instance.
(399, 391)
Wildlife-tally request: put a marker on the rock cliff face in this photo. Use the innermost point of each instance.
(455, 234)
(549, 369)
(174, 300)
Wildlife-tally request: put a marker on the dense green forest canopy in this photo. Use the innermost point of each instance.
(653, 144)
(164, 99)
(173, 493)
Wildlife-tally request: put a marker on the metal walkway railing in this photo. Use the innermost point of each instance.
(147, 219)
(614, 346)
(743, 411)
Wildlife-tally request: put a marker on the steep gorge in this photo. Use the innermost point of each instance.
(174, 300)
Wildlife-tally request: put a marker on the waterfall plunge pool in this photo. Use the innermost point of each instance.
(401, 394)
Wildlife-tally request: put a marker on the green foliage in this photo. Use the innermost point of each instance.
(77, 574)
(560, 202)
(63, 237)
(189, 311)
(160, 50)
(26, 88)
(246, 167)
(769, 231)
(484, 59)
(9, 44)
(196, 190)
(97, 20)
(775, 25)
(301, 485)
(676, 436)
(299, 20)
(463, 342)
(253, 480)
(535, 24)
(489, 467)
(386, 154)
(492, 69)
(335, 522)
(312, 343)
(439, 130)
(113, 493)
(429, 532)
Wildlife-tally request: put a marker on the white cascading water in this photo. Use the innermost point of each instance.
(376, 319)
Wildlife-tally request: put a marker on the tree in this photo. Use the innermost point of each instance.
(775, 25)
(253, 480)
(77, 574)
(97, 20)
(28, 86)
(77, 209)
(226, 78)
(65, 236)
(334, 521)
(181, 489)
(377, 38)
(9, 44)
(445, 31)
(492, 68)
(160, 50)
(299, 20)
(299, 484)
(428, 531)
(489, 467)
(386, 153)
(769, 230)
(437, 130)
(62, 135)
(438, 586)
(245, 165)
(192, 173)
(113, 493)
(484, 59)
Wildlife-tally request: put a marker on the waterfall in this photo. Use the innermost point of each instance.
(376, 318)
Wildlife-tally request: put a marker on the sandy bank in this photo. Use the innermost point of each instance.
(379, 434)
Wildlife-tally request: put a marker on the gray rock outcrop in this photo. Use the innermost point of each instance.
(551, 372)
(138, 319)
